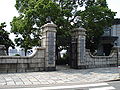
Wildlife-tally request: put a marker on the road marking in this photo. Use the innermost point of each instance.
(62, 87)
(73, 86)
(103, 88)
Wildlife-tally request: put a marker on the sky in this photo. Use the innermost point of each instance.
(8, 11)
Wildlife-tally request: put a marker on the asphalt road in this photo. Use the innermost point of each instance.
(113, 85)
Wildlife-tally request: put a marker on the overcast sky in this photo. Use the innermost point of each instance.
(8, 11)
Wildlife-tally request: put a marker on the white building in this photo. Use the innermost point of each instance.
(13, 52)
(110, 38)
(115, 30)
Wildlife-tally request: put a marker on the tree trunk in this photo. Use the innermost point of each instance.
(6, 49)
(25, 52)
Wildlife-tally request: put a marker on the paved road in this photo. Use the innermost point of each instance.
(115, 84)
(66, 76)
(92, 86)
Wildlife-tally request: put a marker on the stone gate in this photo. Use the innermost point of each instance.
(44, 57)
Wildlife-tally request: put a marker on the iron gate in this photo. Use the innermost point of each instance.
(73, 55)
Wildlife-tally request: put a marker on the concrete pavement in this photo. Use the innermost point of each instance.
(63, 76)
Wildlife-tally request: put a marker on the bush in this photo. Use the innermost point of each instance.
(17, 55)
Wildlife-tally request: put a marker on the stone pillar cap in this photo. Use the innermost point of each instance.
(2, 45)
(49, 25)
(79, 29)
(116, 46)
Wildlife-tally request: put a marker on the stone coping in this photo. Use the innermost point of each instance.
(22, 57)
(110, 56)
(49, 25)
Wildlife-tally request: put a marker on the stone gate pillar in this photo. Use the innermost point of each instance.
(49, 42)
(2, 50)
(79, 34)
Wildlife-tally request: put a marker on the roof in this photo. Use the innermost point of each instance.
(116, 21)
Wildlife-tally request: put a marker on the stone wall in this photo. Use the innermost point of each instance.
(86, 60)
(100, 61)
(42, 60)
(35, 62)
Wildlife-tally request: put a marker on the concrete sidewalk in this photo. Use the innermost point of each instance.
(59, 77)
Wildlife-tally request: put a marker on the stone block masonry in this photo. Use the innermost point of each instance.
(42, 60)
(86, 60)
(35, 62)
(100, 61)
(49, 42)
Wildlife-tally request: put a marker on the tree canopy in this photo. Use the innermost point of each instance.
(26, 35)
(4, 37)
(95, 18)
(65, 14)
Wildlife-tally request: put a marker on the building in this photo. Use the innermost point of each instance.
(110, 38)
(115, 31)
(13, 52)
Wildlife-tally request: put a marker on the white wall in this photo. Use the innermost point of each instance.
(116, 32)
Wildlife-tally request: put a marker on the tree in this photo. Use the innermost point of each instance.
(95, 18)
(4, 37)
(25, 34)
(65, 14)
(62, 13)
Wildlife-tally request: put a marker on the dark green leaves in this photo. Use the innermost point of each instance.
(4, 37)
(65, 14)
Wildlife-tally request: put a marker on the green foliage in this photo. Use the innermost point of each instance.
(95, 18)
(4, 37)
(65, 14)
(17, 55)
(26, 34)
